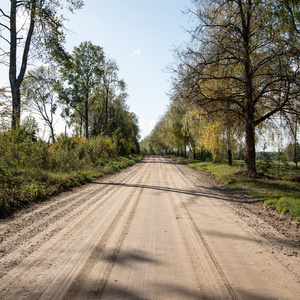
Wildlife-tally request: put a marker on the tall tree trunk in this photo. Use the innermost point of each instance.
(16, 81)
(228, 133)
(229, 157)
(249, 108)
(52, 133)
(13, 66)
(250, 144)
(16, 105)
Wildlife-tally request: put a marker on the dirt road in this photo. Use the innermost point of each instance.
(157, 230)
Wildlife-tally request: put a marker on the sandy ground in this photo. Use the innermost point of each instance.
(157, 230)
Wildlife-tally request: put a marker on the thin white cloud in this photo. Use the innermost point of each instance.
(136, 52)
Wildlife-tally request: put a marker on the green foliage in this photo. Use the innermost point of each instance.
(31, 170)
(122, 146)
(266, 162)
(94, 98)
(286, 204)
(101, 147)
(185, 130)
(238, 70)
(67, 153)
(282, 163)
(41, 28)
(292, 152)
(21, 148)
(82, 73)
(39, 91)
(279, 192)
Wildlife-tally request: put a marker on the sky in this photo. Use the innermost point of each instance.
(140, 35)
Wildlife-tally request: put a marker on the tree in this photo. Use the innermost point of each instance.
(180, 134)
(5, 109)
(291, 121)
(107, 91)
(209, 131)
(292, 153)
(42, 26)
(158, 139)
(109, 86)
(30, 127)
(39, 90)
(83, 73)
(236, 65)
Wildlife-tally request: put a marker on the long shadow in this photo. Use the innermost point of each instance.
(287, 243)
(210, 193)
(228, 193)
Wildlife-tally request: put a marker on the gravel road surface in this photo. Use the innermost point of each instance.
(157, 230)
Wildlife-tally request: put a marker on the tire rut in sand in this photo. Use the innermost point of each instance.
(159, 233)
(91, 282)
(21, 238)
(196, 243)
(60, 235)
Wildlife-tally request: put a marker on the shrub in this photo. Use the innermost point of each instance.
(67, 153)
(266, 163)
(100, 147)
(21, 148)
(32, 170)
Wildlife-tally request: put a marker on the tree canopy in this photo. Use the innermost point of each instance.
(241, 63)
(43, 27)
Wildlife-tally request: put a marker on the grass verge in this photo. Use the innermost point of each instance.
(279, 191)
(20, 187)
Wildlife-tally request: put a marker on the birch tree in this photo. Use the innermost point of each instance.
(38, 90)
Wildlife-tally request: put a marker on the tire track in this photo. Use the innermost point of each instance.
(59, 230)
(100, 263)
(182, 214)
(159, 234)
(36, 218)
(32, 237)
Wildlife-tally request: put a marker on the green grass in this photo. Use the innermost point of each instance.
(20, 187)
(285, 204)
(275, 188)
(219, 171)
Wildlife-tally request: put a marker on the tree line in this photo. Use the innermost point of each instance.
(84, 84)
(235, 79)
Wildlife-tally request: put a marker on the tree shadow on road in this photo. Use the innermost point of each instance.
(125, 258)
(211, 193)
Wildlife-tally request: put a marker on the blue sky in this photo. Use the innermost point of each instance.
(140, 35)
